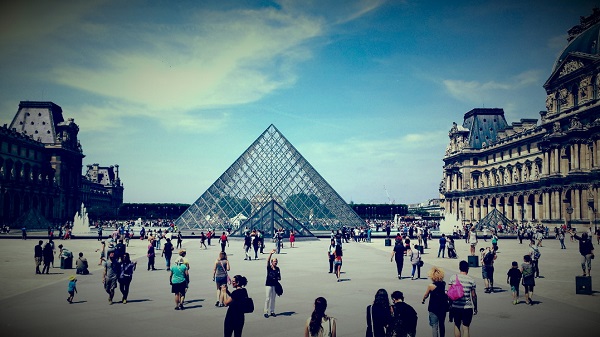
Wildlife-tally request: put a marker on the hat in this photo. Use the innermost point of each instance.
(72, 277)
(182, 251)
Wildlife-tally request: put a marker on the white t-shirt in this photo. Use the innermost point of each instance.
(325, 325)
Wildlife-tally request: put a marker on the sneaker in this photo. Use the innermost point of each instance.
(266, 315)
(217, 304)
(515, 302)
(176, 308)
(124, 301)
(181, 307)
(273, 314)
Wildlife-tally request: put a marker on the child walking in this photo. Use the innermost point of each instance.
(72, 288)
(514, 278)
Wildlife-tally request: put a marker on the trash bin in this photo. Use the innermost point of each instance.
(66, 263)
(388, 242)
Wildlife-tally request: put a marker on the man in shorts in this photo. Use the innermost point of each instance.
(463, 309)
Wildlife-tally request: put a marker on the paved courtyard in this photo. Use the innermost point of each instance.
(35, 305)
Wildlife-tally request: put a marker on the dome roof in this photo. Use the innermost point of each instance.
(584, 39)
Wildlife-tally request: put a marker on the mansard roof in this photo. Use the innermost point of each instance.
(483, 125)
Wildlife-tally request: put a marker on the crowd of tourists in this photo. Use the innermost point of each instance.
(386, 316)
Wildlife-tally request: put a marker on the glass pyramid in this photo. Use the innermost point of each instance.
(270, 186)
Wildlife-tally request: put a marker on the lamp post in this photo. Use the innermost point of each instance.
(462, 216)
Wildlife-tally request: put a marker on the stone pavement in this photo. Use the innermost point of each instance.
(32, 305)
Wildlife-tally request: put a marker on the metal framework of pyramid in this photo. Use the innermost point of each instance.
(270, 186)
(492, 219)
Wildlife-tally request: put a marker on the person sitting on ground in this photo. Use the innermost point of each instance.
(82, 265)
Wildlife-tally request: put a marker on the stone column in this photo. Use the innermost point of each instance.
(546, 164)
(546, 205)
(575, 148)
(557, 161)
(576, 202)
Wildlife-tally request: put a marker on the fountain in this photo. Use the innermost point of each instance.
(81, 222)
(449, 224)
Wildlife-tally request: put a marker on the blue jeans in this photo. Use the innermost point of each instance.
(442, 250)
(415, 267)
(436, 321)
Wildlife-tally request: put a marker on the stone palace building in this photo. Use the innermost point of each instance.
(41, 179)
(540, 173)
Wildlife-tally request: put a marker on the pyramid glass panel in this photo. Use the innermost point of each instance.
(270, 176)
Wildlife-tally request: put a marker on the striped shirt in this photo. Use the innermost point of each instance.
(468, 283)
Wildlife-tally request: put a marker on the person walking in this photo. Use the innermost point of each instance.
(271, 283)
(404, 320)
(488, 256)
(178, 277)
(247, 246)
(398, 253)
(586, 249)
(319, 324)
(151, 255)
(203, 240)
(179, 240)
(527, 271)
(234, 319)
(38, 255)
(223, 241)
(331, 254)
(513, 277)
(72, 288)
(535, 253)
(464, 308)
(337, 263)
(220, 270)
(48, 256)
(167, 252)
(184, 260)
(415, 261)
(255, 243)
(442, 248)
(379, 315)
(561, 238)
(438, 301)
(110, 275)
(126, 275)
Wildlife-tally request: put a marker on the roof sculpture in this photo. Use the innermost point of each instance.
(273, 186)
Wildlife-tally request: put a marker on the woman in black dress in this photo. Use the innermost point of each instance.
(234, 319)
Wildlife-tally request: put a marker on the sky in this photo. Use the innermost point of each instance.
(367, 90)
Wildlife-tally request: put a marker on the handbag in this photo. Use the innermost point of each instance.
(248, 305)
(456, 290)
(278, 289)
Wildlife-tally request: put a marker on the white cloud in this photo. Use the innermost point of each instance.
(477, 92)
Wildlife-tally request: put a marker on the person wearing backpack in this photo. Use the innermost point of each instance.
(234, 319)
(438, 301)
(487, 269)
(463, 308)
(535, 253)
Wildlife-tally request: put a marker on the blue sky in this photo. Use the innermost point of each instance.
(175, 91)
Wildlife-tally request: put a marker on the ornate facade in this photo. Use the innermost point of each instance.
(542, 173)
(40, 167)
